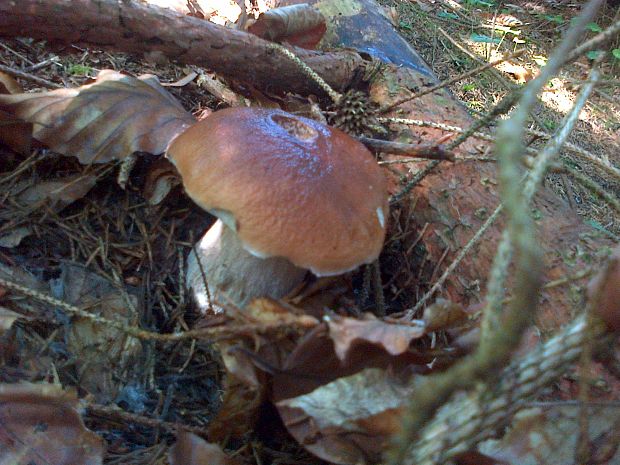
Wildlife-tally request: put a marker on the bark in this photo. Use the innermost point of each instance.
(454, 200)
(136, 27)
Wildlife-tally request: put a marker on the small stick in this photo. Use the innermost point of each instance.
(430, 152)
(43, 64)
(446, 83)
(29, 77)
(115, 412)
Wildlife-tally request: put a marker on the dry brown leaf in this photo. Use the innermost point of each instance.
(239, 410)
(103, 354)
(15, 134)
(349, 332)
(161, 178)
(58, 192)
(107, 120)
(299, 24)
(245, 385)
(193, 450)
(550, 436)
(218, 89)
(8, 85)
(443, 314)
(350, 420)
(32, 308)
(314, 362)
(520, 73)
(39, 424)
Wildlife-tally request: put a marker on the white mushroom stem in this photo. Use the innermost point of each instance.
(233, 274)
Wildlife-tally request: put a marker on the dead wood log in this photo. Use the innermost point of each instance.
(454, 200)
(135, 27)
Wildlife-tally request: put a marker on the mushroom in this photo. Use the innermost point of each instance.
(290, 195)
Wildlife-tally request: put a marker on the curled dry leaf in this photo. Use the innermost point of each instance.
(218, 89)
(394, 338)
(8, 85)
(266, 311)
(239, 410)
(107, 120)
(161, 178)
(193, 450)
(550, 435)
(342, 349)
(40, 424)
(299, 24)
(349, 420)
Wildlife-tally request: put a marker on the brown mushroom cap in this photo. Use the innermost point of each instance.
(289, 186)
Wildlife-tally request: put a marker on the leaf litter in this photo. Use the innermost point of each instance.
(185, 382)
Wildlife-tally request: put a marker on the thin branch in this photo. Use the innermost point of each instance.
(463, 252)
(450, 81)
(219, 332)
(429, 152)
(465, 421)
(511, 134)
(595, 42)
(413, 182)
(593, 187)
(29, 77)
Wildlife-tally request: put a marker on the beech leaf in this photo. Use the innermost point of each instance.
(59, 192)
(8, 85)
(394, 338)
(109, 119)
(40, 424)
(350, 420)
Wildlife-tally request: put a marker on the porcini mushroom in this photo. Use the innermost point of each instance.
(291, 195)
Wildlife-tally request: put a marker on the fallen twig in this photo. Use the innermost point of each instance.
(429, 152)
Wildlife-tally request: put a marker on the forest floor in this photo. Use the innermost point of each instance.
(108, 248)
